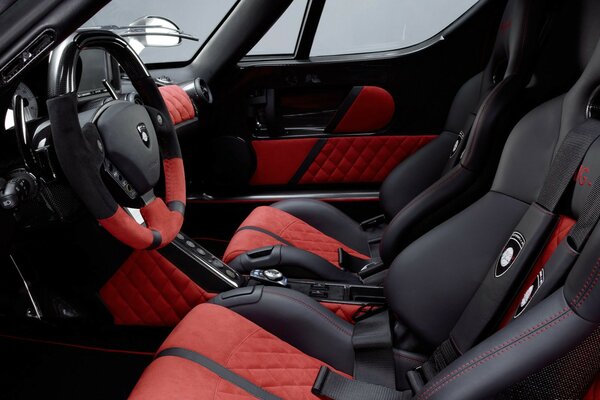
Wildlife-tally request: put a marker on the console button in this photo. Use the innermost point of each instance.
(217, 263)
(190, 244)
(231, 274)
(201, 251)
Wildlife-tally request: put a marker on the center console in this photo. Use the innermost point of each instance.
(214, 276)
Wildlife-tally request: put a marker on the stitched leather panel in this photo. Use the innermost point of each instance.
(178, 103)
(149, 290)
(563, 227)
(361, 159)
(294, 230)
(237, 344)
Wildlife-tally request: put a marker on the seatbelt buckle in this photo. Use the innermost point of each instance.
(322, 376)
(350, 263)
(373, 222)
(416, 379)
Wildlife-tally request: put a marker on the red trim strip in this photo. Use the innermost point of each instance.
(78, 346)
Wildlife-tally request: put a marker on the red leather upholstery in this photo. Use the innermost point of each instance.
(293, 230)
(361, 159)
(235, 343)
(372, 110)
(178, 102)
(344, 311)
(149, 290)
(561, 231)
(278, 160)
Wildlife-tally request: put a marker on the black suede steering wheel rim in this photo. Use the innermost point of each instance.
(84, 152)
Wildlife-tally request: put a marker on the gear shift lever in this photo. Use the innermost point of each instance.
(272, 277)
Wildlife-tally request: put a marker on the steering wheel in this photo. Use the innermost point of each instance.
(115, 151)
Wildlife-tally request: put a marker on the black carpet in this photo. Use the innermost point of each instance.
(33, 370)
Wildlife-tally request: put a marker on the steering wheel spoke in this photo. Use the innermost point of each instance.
(118, 177)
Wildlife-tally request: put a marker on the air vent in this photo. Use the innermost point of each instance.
(31, 53)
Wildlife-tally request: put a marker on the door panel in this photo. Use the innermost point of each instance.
(331, 160)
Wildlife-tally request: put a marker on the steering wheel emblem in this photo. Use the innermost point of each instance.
(143, 131)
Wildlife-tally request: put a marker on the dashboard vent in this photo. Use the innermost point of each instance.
(31, 53)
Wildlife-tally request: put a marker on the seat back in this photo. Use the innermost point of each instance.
(477, 117)
(431, 282)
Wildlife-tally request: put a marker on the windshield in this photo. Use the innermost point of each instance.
(198, 18)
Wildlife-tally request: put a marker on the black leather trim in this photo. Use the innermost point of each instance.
(266, 232)
(310, 158)
(156, 240)
(177, 206)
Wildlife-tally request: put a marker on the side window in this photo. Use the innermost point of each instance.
(196, 17)
(283, 37)
(364, 26)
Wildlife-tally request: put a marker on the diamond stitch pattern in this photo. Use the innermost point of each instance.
(294, 230)
(149, 290)
(361, 159)
(237, 344)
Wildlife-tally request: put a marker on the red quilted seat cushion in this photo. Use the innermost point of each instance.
(235, 343)
(178, 103)
(149, 290)
(365, 159)
(286, 226)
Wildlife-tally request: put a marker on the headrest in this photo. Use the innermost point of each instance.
(516, 44)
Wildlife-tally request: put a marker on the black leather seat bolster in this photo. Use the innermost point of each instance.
(435, 196)
(294, 263)
(545, 333)
(297, 319)
(416, 174)
(329, 220)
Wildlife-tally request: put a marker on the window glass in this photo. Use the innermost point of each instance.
(283, 36)
(363, 26)
(198, 18)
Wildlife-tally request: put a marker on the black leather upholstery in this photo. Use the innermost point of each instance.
(431, 177)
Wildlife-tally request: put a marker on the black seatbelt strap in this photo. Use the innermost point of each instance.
(566, 163)
(219, 370)
(554, 273)
(332, 385)
(443, 356)
(374, 366)
(518, 256)
(373, 350)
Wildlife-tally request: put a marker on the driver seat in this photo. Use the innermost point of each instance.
(304, 238)
(272, 342)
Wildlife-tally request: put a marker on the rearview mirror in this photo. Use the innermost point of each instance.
(154, 31)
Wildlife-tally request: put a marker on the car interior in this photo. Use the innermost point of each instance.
(300, 199)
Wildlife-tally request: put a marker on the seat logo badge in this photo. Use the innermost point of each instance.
(143, 131)
(529, 294)
(509, 253)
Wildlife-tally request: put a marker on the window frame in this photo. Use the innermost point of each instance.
(308, 31)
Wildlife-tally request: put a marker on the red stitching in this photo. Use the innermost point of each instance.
(434, 389)
(575, 300)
